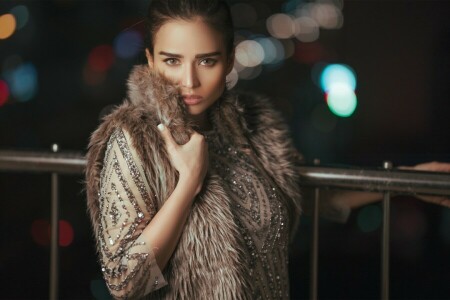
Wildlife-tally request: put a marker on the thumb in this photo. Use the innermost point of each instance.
(167, 136)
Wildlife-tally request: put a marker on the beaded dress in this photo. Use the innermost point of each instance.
(261, 216)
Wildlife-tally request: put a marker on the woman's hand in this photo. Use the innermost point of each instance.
(190, 159)
(434, 166)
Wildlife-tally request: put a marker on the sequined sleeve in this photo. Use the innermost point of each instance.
(126, 206)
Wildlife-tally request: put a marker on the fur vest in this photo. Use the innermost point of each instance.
(247, 121)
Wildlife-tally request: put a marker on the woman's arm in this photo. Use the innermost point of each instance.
(336, 204)
(135, 240)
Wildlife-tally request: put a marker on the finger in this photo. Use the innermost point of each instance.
(167, 136)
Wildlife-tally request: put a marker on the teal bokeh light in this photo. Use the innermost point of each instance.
(23, 81)
(337, 74)
(21, 14)
(369, 218)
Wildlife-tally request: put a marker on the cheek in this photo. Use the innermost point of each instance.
(214, 80)
(173, 74)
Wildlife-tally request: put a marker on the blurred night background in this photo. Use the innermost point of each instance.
(64, 64)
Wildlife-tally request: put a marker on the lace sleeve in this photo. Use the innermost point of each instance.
(126, 207)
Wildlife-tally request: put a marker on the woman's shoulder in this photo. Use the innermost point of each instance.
(133, 119)
(137, 126)
(253, 99)
(259, 110)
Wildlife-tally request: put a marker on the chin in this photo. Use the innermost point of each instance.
(196, 111)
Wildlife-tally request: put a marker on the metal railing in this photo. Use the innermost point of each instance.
(385, 180)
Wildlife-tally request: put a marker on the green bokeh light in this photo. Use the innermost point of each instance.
(341, 100)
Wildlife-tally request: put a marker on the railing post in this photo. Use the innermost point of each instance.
(315, 242)
(54, 240)
(385, 240)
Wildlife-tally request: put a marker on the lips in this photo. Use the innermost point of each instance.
(192, 99)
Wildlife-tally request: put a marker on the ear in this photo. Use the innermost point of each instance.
(230, 62)
(150, 60)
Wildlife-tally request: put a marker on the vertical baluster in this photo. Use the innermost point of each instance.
(54, 268)
(385, 240)
(315, 242)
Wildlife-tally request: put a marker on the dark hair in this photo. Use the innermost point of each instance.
(216, 13)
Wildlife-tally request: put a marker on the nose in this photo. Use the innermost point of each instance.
(190, 76)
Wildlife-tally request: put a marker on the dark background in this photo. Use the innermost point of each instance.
(400, 51)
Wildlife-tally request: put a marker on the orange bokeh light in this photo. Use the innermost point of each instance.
(7, 25)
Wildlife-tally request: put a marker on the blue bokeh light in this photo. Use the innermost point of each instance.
(273, 50)
(128, 44)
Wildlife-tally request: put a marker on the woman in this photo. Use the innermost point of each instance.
(192, 190)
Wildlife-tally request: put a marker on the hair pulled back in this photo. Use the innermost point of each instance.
(216, 13)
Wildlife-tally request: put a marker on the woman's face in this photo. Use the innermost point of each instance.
(193, 55)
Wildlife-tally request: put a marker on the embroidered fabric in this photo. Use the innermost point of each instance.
(128, 263)
(126, 207)
(261, 215)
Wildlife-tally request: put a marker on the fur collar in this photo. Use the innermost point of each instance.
(247, 121)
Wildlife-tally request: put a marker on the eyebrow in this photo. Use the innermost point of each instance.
(216, 53)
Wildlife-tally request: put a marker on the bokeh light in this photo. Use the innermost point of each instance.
(65, 233)
(273, 50)
(304, 10)
(101, 58)
(341, 100)
(244, 15)
(128, 44)
(7, 25)
(4, 92)
(369, 218)
(337, 74)
(290, 5)
(281, 26)
(327, 15)
(23, 81)
(21, 14)
(41, 232)
(249, 53)
(232, 79)
(306, 29)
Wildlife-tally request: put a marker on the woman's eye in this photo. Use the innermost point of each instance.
(208, 62)
(171, 61)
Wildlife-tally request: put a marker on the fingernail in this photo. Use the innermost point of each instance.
(160, 127)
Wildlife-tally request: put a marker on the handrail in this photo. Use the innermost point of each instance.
(32, 161)
(368, 179)
(386, 180)
(377, 180)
